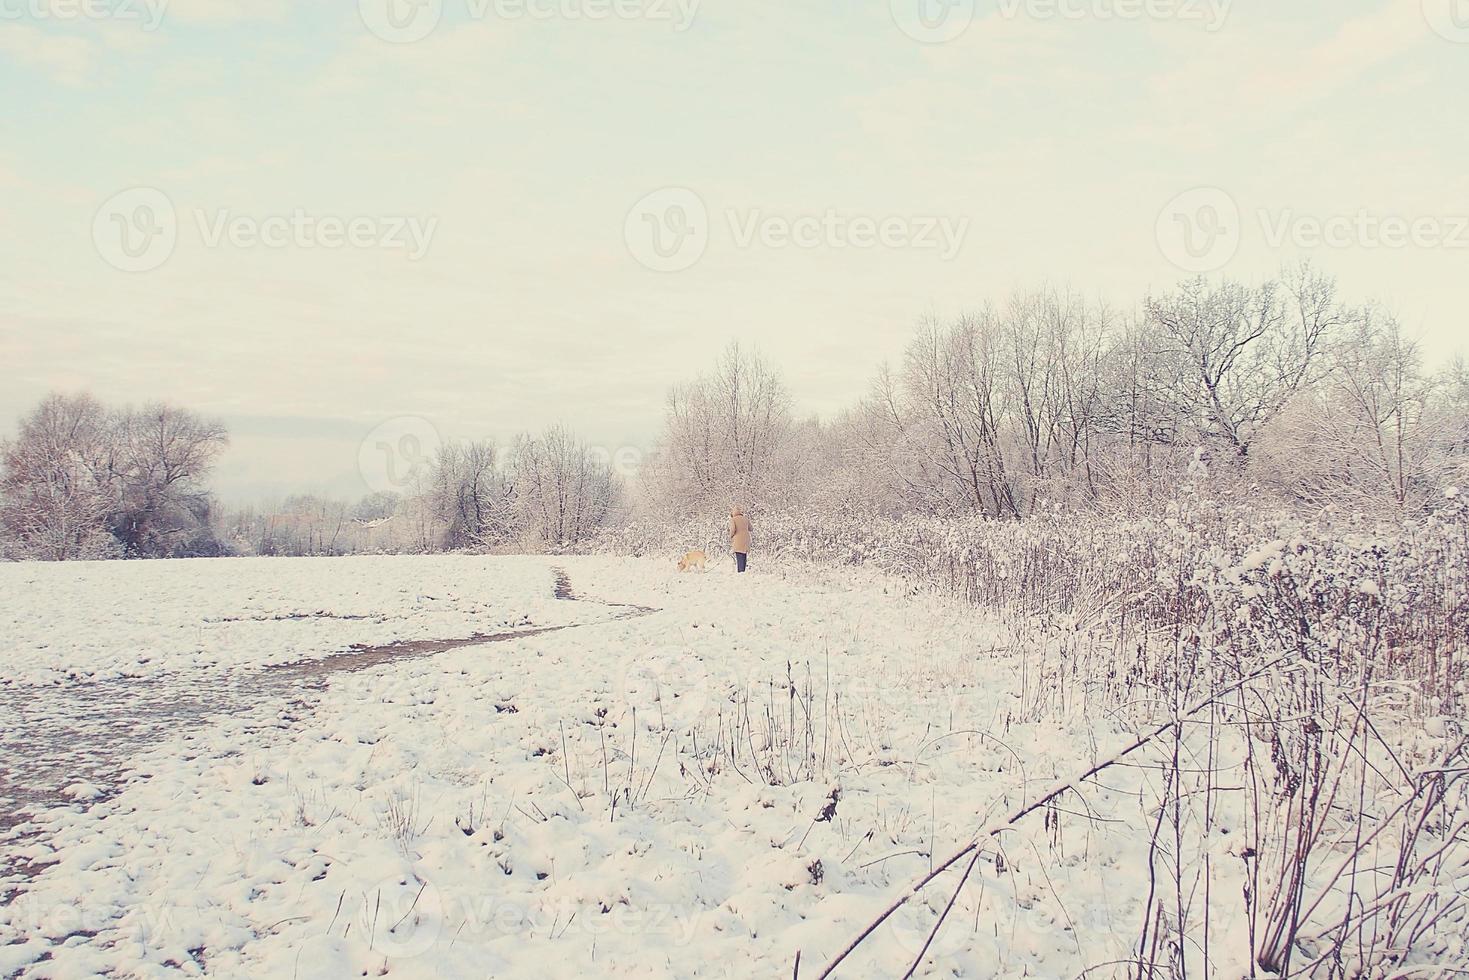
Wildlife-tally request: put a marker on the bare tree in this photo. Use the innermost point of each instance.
(956, 409)
(79, 474)
(162, 458)
(54, 493)
(566, 492)
(724, 435)
(995, 412)
(1377, 432)
(472, 500)
(1244, 351)
(1054, 346)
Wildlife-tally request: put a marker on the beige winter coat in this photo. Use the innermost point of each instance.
(739, 533)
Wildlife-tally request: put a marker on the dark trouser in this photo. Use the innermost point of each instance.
(740, 559)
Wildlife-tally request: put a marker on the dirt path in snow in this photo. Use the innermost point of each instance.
(88, 734)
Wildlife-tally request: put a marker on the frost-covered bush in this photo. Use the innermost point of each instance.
(1304, 682)
(1214, 578)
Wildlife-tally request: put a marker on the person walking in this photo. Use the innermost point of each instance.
(739, 537)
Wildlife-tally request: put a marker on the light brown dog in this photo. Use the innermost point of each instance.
(694, 559)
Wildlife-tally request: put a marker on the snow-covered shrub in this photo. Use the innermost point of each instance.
(1304, 680)
(1335, 588)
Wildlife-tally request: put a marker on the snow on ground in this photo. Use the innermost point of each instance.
(582, 802)
(65, 621)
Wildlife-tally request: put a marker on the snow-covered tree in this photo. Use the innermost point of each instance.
(1378, 432)
(723, 438)
(1243, 352)
(82, 481)
(472, 499)
(565, 492)
(54, 494)
(159, 467)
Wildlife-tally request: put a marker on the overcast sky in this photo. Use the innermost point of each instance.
(315, 218)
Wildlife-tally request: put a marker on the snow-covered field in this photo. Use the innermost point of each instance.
(65, 621)
(752, 770)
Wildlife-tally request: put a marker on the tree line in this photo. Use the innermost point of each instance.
(1047, 401)
(83, 481)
